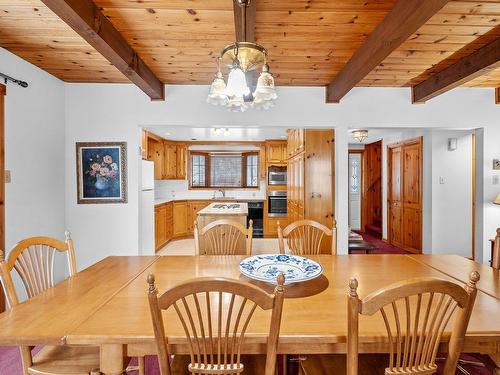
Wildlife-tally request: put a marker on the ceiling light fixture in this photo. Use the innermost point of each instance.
(360, 135)
(241, 58)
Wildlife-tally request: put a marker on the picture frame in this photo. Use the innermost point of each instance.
(101, 169)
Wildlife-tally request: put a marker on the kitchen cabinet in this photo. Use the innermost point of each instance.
(155, 154)
(163, 225)
(276, 151)
(160, 226)
(296, 142)
(271, 227)
(169, 161)
(144, 144)
(262, 162)
(180, 213)
(310, 176)
(181, 157)
(194, 207)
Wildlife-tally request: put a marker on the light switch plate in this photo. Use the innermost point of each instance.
(496, 164)
(7, 177)
(441, 180)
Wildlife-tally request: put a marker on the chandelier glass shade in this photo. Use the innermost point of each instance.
(242, 58)
(360, 135)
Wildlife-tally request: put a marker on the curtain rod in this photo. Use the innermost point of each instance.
(13, 80)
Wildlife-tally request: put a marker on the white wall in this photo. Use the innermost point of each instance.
(34, 152)
(114, 112)
(452, 196)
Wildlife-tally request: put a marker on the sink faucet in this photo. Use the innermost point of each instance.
(223, 192)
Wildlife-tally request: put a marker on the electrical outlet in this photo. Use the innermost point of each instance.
(7, 177)
(441, 180)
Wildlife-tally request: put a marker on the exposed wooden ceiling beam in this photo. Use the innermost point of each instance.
(405, 18)
(245, 34)
(87, 20)
(497, 95)
(465, 69)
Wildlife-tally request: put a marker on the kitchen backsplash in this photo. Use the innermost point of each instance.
(179, 189)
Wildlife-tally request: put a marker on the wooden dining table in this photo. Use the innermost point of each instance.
(106, 305)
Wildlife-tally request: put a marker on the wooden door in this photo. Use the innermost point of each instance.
(355, 186)
(371, 211)
(170, 161)
(412, 212)
(2, 186)
(180, 213)
(181, 152)
(405, 195)
(395, 205)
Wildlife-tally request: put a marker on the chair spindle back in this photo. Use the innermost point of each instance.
(215, 313)
(305, 237)
(415, 313)
(223, 237)
(33, 260)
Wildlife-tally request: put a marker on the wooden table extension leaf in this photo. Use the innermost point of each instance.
(314, 313)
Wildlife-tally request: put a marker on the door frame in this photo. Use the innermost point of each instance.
(3, 92)
(406, 142)
(362, 187)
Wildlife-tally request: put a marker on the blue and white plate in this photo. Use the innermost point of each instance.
(267, 267)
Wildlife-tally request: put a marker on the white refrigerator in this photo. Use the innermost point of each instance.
(147, 209)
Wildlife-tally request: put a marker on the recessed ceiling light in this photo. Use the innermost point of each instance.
(167, 133)
(283, 137)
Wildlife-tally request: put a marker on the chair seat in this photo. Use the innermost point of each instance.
(252, 365)
(334, 364)
(65, 360)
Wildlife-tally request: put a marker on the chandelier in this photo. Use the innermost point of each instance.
(241, 58)
(360, 135)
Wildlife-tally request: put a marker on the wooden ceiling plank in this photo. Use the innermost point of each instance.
(467, 68)
(87, 20)
(245, 34)
(405, 18)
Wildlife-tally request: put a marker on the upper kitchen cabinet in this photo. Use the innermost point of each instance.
(181, 157)
(169, 157)
(170, 160)
(296, 142)
(276, 152)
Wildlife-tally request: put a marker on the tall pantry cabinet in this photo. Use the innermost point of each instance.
(310, 176)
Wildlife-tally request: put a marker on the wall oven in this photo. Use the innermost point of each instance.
(276, 203)
(277, 177)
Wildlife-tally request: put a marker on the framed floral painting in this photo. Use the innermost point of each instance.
(101, 172)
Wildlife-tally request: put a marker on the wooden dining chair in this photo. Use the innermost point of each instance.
(415, 313)
(223, 237)
(305, 237)
(495, 256)
(33, 260)
(214, 314)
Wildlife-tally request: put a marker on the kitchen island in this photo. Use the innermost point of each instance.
(236, 212)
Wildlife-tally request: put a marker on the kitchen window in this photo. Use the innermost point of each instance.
(223, 170)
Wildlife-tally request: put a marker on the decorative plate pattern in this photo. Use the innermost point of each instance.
(267, 267)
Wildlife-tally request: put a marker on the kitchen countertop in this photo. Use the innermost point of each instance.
(211, 210)
(159, 201)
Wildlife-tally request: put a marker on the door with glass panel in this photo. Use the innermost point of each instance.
(355, 190)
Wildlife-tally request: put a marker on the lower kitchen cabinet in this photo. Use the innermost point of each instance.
(163, 225)
(194, 207)
(271, 225)
(181, 214)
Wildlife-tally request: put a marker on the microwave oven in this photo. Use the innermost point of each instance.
(277, 178)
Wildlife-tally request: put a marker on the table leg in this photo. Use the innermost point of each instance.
(112, 359)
